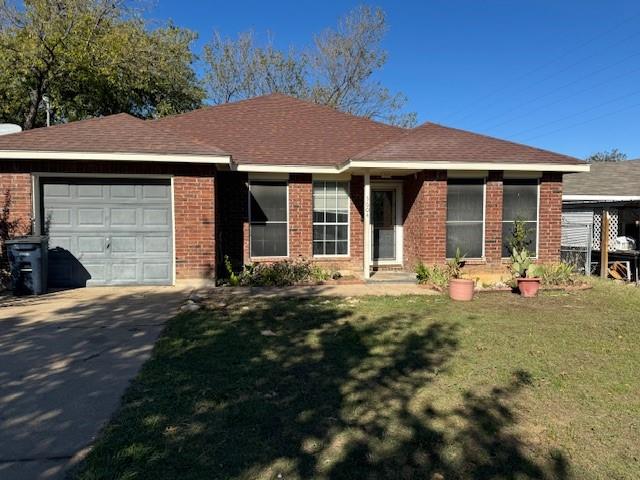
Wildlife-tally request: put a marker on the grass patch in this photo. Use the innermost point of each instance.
(373, 388)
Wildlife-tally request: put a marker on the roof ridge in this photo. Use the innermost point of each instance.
(284, 96)
(482, 135)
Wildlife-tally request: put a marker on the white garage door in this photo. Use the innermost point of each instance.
(108, 232)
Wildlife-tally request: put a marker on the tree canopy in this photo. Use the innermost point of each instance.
(337, 70)
(91, 58)
(614, 155)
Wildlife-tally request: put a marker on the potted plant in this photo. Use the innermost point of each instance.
(460, 289)
(524, 271)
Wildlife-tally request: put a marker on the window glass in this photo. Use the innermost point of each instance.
(268, 209)
(520, 201)
(465, 217)
(330, 218)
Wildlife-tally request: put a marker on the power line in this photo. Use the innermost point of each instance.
(544, 65)
(613, 100)
(629, 107)
(574, 94)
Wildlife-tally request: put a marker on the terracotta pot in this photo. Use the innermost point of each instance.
(528, 286)
(461, 289)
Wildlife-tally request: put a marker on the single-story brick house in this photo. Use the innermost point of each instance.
(128, 201)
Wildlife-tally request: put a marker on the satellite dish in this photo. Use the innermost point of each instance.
(7, 128)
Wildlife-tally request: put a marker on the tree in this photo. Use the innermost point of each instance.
(337, 71)
(614, 155)
(91, 58)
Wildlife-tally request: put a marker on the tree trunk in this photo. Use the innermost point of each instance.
(34, 105)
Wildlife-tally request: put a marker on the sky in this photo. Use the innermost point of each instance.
(560, 75)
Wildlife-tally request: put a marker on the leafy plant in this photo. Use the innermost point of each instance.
(234, 279)
(434, 275)
(519, 239)
(278, 274)
(557, 273)
(454, 265)
(521, 263)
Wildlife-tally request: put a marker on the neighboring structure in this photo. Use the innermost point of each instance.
(130, 201)
(612, 187)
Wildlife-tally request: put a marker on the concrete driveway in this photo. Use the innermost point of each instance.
(66, 358)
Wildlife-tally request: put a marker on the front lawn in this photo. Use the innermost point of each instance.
(376, 388)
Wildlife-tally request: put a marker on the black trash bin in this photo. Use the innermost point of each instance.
(28, 264)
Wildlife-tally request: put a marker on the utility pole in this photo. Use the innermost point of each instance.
(47, 107)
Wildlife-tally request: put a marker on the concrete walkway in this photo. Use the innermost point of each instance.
(65, 360)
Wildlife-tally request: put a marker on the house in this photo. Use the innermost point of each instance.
(127, 201)
(612, 187)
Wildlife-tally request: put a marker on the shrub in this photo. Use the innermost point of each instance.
(556, 273)
(435, 275)
(277, 274)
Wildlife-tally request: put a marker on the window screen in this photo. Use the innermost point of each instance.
(330, 218)
(465, 217)
(268, 212)
(520, 201)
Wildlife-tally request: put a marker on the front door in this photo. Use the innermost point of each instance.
(384, 223)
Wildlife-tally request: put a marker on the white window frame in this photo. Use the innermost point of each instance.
(314, 223)
(286, 185)
(537, 179)
(484, 212)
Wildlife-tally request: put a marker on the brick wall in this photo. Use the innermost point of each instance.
(493, 220)
(300, 216)
(195, 226)
(15, 194)
(425, 215)
(193, 197)
(550, 221)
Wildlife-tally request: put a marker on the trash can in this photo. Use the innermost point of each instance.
(28, 264)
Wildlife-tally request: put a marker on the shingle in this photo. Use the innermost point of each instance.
(119, 133)
(436, 143)
(605, 178)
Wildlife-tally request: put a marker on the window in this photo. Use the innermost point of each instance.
(268, 218)
(330, 218)
(465, 217)
(520, 201)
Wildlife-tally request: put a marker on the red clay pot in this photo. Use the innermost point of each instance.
(461, 289)
(528, 286)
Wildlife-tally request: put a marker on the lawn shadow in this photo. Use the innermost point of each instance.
(307, 389)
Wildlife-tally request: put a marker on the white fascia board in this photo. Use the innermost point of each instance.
(122, 157)
(601, 198)
(411, 165)
(286, 169)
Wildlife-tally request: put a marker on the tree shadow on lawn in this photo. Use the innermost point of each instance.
(331, 395)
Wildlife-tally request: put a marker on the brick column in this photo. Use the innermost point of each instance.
(550, 221)
(194, 226)
(493, 220)
(300, 216)
(425, 216)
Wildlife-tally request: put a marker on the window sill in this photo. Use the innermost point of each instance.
(267, 259)
(332, 258)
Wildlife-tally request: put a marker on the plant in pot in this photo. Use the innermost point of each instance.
(460, 289)
(525, 273)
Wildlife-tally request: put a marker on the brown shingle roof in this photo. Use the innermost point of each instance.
(281, 130)
(436, 143)
(605, 178)
(120, 133)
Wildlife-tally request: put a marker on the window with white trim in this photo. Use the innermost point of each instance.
(268, 214)
(465, 217)
(520, 202)
(330, 218)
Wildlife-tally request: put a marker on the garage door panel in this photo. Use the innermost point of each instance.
(109, 231)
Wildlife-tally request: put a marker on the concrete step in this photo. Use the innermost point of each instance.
(392, 277)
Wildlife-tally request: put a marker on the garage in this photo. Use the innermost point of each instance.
(108, 231)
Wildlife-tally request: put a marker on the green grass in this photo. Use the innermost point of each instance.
(373, 388)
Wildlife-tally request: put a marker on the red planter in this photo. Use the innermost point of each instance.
(461, 289)
(528, 286)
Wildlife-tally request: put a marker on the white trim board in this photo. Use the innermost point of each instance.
(117, 157)
(602, 198)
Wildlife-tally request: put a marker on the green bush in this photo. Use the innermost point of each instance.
(434, 275)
